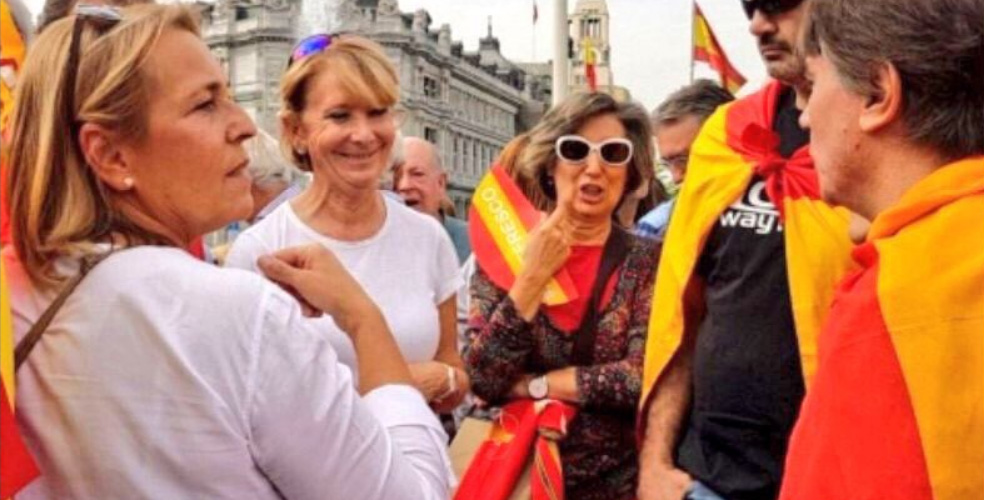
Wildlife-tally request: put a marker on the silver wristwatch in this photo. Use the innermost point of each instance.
(538, 387)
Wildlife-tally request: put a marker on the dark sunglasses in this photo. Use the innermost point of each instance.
(311, 45)
(575, 149)
(768, 7)
(105, 17)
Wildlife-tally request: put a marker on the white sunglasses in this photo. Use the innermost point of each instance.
(575, 149)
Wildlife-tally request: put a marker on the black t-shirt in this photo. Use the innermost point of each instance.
(747, 384)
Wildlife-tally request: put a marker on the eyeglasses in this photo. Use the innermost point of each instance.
(311, 45)
(575, 149)
(768, 7)
(678, 162)
(103, 16)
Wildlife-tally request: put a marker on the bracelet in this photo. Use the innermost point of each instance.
(452, 382)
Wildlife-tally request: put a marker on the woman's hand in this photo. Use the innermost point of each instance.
(313, 275)
(433, 380)
(547, 250)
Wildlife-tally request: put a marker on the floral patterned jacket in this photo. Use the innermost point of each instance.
(599, 455)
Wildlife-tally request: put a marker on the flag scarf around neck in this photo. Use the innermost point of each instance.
(896, 411)
(524, 427)
(499, 224)
(17, 467)
(734, 144)
(706, 48)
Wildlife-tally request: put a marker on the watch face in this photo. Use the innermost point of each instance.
(538, 387)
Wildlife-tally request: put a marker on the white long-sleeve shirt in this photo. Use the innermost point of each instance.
(164, 377)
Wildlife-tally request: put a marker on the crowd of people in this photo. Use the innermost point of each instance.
(803, 320)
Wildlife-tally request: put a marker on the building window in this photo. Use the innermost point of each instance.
(430, 133)
(242, 13)
(431, 88)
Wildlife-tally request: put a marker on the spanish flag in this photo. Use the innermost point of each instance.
(590, 60)
(735, 143)
(499, 223)
(524, 430)
(17, 467)
(896, 410)
(15, 25)
(706, 48)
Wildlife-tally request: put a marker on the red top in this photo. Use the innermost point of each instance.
(582, 265)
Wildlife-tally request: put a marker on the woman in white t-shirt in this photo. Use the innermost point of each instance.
(161, 376)
(338, 122)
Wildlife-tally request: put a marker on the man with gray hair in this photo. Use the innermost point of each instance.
(676, 122)
(896, 116)
(273, 177)
(422, 183)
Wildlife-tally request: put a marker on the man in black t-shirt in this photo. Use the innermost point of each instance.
(723, 401)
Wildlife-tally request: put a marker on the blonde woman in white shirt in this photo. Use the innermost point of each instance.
(161, 376)
(339, 124)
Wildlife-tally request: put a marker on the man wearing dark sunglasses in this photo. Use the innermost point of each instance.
(749, 265)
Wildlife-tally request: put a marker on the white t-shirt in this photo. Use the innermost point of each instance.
(408, 268)
(165, 377)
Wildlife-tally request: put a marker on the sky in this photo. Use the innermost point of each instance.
(650, 38)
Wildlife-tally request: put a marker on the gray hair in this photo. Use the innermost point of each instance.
(266, 163)
(937, 47)
(699, 99)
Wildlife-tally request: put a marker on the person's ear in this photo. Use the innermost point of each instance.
(107, 156)
(884, 107)
(290, 123)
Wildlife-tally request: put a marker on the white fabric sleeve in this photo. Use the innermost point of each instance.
(246, 249)
(447, 269)
(313, 436)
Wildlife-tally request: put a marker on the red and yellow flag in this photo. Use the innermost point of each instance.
(524, 427)
(499, 223)
(590, 60)
(14, 27)
(734, 144)
(17, 467)
(707, 49)
(896, 410)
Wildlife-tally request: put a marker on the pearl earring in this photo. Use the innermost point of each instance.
(128, 182)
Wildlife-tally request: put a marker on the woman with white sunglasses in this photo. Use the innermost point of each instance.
(587, 154)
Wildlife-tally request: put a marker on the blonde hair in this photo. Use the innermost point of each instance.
(58, 205)
(362, 69)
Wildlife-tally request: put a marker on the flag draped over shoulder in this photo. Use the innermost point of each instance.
(896, 410)
(17, 467)
(15, 25)
(707, 49)
(499, 223)
(735, 143)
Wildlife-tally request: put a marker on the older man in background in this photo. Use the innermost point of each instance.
(422, 183)
(676, 122)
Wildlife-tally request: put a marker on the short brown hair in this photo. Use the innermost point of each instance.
(56, 9)
(699, 99)
(361, 66)
(538, 158)
(937, 47)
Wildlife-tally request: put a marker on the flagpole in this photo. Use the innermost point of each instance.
(693, 20)
(535, 15)
(560, 58)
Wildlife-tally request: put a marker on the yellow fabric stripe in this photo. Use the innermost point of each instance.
(702, 35)
(818, 255)
(716, 177)
(6, 338)
(931, 291)
(12, 46)
(508, 232)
